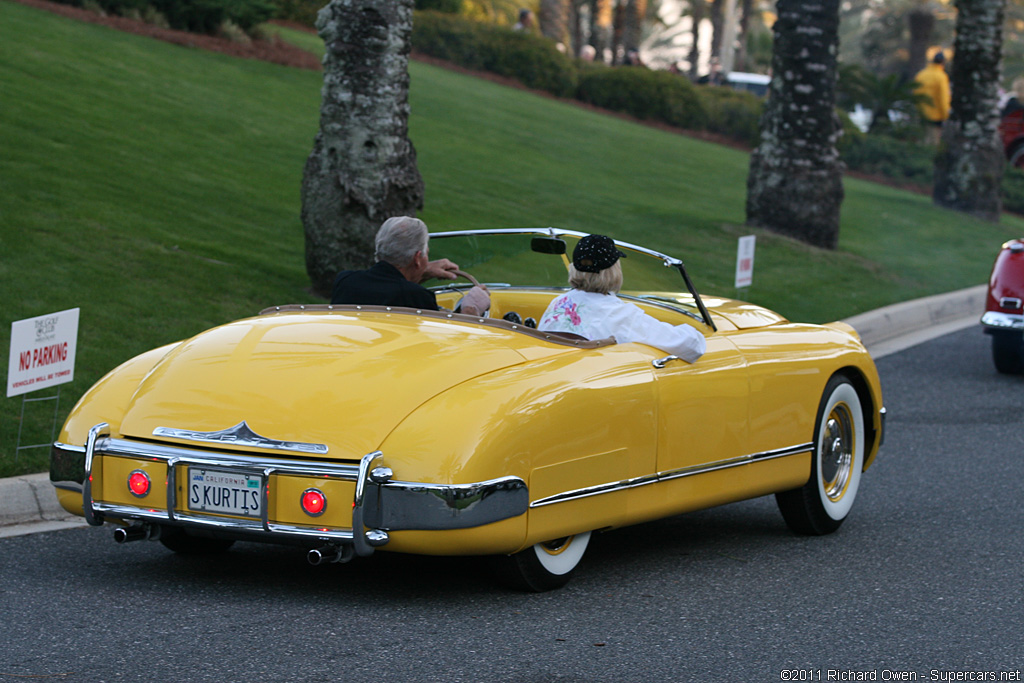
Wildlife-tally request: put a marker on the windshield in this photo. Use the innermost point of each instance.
(540, 258)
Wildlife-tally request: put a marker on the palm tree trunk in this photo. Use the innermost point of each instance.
(697, 9)
(741, 51)
(601, 31)
(795, 183)
(553, 20)
(921, 21)
(969, 166)
(362, 169)
(635, 12)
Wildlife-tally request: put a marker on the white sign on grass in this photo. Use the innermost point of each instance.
(745, 261)
(42, 352)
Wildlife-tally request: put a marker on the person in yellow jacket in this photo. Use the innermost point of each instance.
(933, 82)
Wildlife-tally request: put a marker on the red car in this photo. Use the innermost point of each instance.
(1011, 130)
(1004, 314)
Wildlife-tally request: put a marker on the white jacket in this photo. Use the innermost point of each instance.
(597, 316)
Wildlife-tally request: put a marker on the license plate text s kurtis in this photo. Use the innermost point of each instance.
(224, 492)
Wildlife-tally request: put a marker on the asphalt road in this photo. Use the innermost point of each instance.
(925, 579)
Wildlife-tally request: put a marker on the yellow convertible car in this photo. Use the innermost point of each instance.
(346, 430)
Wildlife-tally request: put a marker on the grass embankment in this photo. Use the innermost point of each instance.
(157, 188)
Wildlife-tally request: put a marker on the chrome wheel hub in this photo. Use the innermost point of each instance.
(836, 448)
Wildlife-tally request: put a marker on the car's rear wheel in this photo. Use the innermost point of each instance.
(544, 566)
(820, 506)
(1008, 352)
(184, 543)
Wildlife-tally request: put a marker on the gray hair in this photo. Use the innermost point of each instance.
(398, 240)
(607, 281)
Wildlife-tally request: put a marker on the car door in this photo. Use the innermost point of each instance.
(702, 423)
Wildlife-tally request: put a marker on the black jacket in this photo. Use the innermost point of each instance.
(382, 285)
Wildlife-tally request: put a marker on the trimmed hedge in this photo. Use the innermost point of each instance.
(446, 6)
(530, 59)
(195, 16)
(645, 94)
(206, 16)
(300, 11)
(733, 113)
(1013, 190)
(889, 157)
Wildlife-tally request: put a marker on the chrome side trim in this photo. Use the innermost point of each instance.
(669, 475)
(1005, 321)
(736, 462)
(597, 490)
(241, 435)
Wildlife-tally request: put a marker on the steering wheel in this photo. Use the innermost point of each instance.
(462, 273)
(476, 283)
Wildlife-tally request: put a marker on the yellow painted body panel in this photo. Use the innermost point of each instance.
(285, 507)
(452, 402)
(110, 475)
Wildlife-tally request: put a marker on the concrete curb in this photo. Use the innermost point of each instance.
(900, 326)
(28, 503)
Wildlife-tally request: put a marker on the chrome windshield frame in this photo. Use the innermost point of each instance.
(668, 261)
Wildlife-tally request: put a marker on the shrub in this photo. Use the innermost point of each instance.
(1013, 190)
(645, 94)
(230, 30)
(889, 157)
(207, 16)
(530, 59)
(446, 6)
(300, 11)
(733, 113)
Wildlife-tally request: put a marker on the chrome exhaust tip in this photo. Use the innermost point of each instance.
(330, 554)
(132, 533)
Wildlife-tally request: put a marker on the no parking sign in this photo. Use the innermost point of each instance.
(42, 352)
(745, 261)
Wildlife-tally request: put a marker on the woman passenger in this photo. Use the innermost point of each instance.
(592, 310)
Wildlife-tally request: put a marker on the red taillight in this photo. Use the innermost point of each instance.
(313, 502)
(138, 483)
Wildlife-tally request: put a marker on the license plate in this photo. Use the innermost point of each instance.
(229, 493)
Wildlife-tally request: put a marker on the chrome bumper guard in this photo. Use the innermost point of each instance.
(379, 505)
(994, 320)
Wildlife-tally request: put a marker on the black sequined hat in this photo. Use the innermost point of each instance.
(594, 253)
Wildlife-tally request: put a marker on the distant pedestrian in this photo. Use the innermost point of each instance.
(525, 22)
(933, 83)
(1015, 100)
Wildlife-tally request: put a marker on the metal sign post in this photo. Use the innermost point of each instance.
(21, 422)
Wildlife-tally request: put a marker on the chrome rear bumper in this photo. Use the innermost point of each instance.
(994, 320)
(380, 504)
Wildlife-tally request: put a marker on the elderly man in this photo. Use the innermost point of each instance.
(402, 264)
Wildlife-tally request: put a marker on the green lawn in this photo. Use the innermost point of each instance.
(156, 187)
